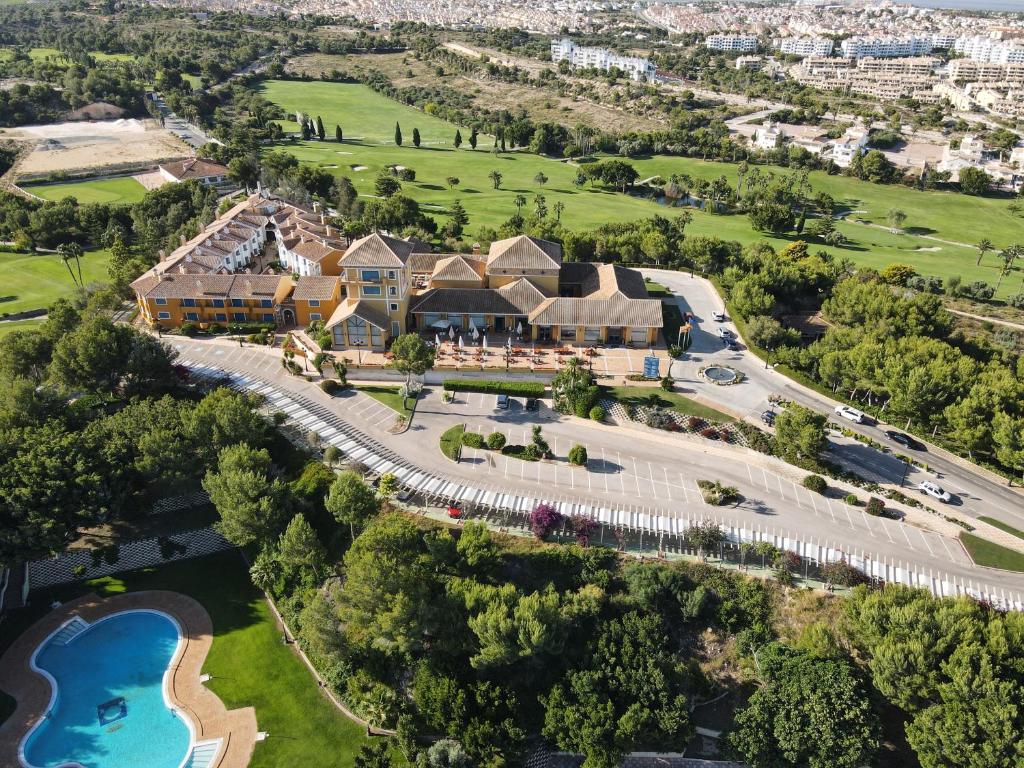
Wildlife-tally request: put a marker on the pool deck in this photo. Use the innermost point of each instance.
(210, 718)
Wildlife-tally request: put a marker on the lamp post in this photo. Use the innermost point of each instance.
(359, 344)
(768, 357)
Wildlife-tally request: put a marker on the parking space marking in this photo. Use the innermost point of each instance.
(848, 517)
(749, 473)
(942, 541)
(831, 511)
(904, 529)
(814, 504)
(622, 471)
(636, 478)
(885, 527)
(867, 524)
(604, 462)
(668, 485)
(925, 540)
(765, 476)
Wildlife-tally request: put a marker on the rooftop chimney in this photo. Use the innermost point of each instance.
(181, 239)
(163, 254)
(329, 231)
(476, 249)
(316, 207)
(323, 219)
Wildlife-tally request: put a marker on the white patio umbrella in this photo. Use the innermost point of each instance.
(451, 333)
(485, 341)
(461, 345)
(437, 339)
(472, 325)
(476, 333)
(509, 342)
(519, 328)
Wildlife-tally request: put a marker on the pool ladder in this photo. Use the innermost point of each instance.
(72, 629)
(203, 754)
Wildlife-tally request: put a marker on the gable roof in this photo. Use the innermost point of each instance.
(177, 286)
(377, 250)
(317, 287)
(316, 251)
(603, 281)
(458, 268)
(524, 295)
(360, 309)
(616, 311)
(194, 168)
(523, 252)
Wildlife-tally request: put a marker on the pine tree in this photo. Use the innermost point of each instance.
(458, 138)
(416, 137)
(398, 135)
(319, 128)
(305, 131)
(337, 134)
(472, 138)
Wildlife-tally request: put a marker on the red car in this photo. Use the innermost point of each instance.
(455, 510)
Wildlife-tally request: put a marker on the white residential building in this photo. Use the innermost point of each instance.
(884, 47)
(769, 136)
(587, 57)
(849, 146)
(989, 49)
(752, 63)
(736, 43)
(805, 46)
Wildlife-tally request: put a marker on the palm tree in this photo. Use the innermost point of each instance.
(984, 246)
(1009, 255)
(495, 177)
(895, 217)
(558, 207)
(67, 252)
(540, 178)
(520, 201)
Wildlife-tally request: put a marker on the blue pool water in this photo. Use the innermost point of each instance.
(109, 710)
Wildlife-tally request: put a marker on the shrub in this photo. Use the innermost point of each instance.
(842, 573)
(472, 440)
(1017, 300)
(524, 452)
(784, 577)
(667, 382)
(693, 423)
(217, 328)
(578, 455)
(851, 499)
(496, 441)
(675, 350)
(815, 483)
(716, 493)
(875, 507)
(543, 519)
(658, 418)
(494, 387)
(188, 329)
(330, 386)
(597, 413)
(710, 433)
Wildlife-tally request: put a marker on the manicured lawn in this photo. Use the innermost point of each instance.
(33, 281)
(1002, 526)
(123, 189)
(19, 325)
(249, 664)
(451, 441)
(670, 400)
(992, 555)
(368, 121)
(390, 397)
(656, 290)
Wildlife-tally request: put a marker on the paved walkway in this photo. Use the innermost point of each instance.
(211, 719)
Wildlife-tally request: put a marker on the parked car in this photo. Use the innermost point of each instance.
(404, 495)
(850, 414)
(532, 404)
(502, 401)
(455, 510)
(725, 333)
(718, 317)
(731, 345)
(905, 440)
(768, 417)
(935, 491)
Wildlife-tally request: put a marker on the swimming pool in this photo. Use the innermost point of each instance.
(108, 708)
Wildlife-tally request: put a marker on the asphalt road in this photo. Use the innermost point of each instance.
(975, 492)
(628, 468)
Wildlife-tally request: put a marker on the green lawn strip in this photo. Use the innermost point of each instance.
(19, 325)
(389, 395)
(368, 121)
(123, 189)
(1002, 526)
(451, 441)
(992, 555)
(34, 281)
(656, 290)
(249, 664)
(672, 401)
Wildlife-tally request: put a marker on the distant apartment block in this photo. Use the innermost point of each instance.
(886, 47)
(587, 57)
(805, 46)
(910, 65)
(987, 49)
(852, 144)
(736, 43)
(968, 70)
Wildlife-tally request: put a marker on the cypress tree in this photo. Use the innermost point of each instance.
(472, 138)
(458, 138)
(319, 128)
(337, 133)
(398, 135)
(415, 137)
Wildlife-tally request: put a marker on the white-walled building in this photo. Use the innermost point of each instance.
(769, 136)
(805, 46)
(752, 63)
(588, 57)
(850, 145)
(885, 47)
(737, 43)
(988, 49)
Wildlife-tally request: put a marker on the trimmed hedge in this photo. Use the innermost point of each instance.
(496, 387)
(472, 440)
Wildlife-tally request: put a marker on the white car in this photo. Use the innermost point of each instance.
(725, 333)
(850, 414)
(718, 317)
(935, 491)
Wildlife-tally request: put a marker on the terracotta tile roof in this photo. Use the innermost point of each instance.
(316, 251)
(524, 294)
(319, 287)
(470, 301)
(523, 252)
(377, 250)
(616, 311)
(424, 263)
(175, 286)
(458, 268)
(360, 309)
(602, 281)
(194, 168)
